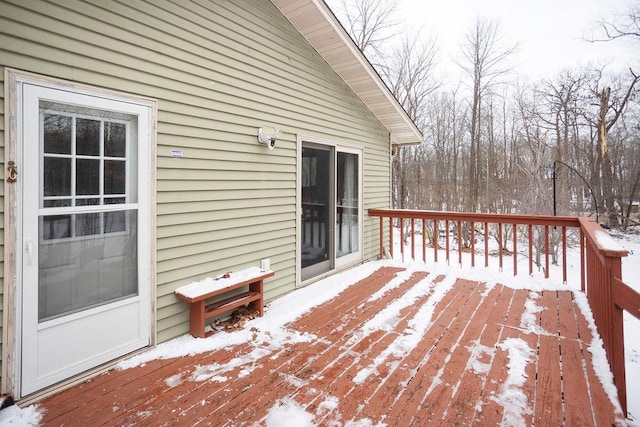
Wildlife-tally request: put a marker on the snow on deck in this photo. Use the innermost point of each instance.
(380, 345)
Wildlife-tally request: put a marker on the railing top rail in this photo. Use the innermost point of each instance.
(599, 239)
(562, 221)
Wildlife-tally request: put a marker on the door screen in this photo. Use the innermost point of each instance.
(87, 221)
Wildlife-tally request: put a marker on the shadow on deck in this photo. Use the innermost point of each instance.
(398, 347)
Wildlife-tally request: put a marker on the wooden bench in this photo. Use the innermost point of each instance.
(197, 294)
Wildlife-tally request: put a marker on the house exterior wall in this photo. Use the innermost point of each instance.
(219, 70)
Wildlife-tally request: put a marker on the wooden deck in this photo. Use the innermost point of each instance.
(454, 356)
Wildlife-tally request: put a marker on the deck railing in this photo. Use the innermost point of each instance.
(545, 240)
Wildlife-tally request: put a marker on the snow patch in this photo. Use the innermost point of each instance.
(22, 417)
(329, 404)
(606, 242)
(294, 381)
(287, 413)
(366, 422)
(388, 318)
(210, 284)
(477, 351)
(394, 283)
(174, 380)
(511, 396)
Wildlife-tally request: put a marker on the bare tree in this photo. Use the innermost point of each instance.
(627, 25)
(409, 71)
(485, 62)
(370, 23)
(610, 108)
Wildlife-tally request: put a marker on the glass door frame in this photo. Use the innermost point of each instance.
(334, 263)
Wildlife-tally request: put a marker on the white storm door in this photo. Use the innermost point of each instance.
(85, 288)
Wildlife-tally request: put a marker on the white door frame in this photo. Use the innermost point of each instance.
(11, 334)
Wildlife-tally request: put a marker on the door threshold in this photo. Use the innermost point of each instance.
(76, 379)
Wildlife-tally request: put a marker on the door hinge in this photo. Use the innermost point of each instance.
(13, 171)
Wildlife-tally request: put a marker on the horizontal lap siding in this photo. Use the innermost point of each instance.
(219, 70)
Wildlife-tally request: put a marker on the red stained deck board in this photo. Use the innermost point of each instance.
(490, 411)
(310, 372)
(549, 395)
(423, 388)
(434, 406)
(386, 405)
(573, 372)
(343, 384)
(464, 404)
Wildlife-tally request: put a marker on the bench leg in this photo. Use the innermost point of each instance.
(258, 304)
(196, 319)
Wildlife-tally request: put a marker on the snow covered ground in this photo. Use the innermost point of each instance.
(288, 308)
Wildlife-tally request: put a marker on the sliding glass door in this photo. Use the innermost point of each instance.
(330, 208)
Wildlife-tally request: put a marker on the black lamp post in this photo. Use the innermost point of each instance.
(554, 176)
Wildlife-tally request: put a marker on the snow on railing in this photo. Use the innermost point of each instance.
(608, 297)
(543, 237)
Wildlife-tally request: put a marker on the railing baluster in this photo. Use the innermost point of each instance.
(424, 240)
(515, 250)
(460, 242)
(401, 238)
(530, 249)
(564, 255)
(583, 272)
(391, 236)
(435, 237)
(500, 244)
(446, 223)
(381, 239)
(413, 239)
(473, 244)
(546, 251)
(486, 244)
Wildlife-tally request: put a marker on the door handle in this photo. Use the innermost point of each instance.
(28, 247)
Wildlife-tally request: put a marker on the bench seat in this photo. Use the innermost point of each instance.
(197, 294)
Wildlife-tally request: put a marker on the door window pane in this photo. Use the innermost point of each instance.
(57, 134)
(115, 139)
(114, 177)
(347, 211)
(56, 176)
(114, 222)
(56, 227)
(87, 224)
(316, 210)
(87, 176)
(88, 167)
(87, 137)
(76, 274)
(57, 203)
(90, 201)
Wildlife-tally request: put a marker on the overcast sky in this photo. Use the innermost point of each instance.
(550, 33)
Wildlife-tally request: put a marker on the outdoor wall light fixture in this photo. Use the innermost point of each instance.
(264, 138)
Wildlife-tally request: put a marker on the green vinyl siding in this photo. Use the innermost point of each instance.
(219, 70)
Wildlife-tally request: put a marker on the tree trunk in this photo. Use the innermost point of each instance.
(603, 142)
